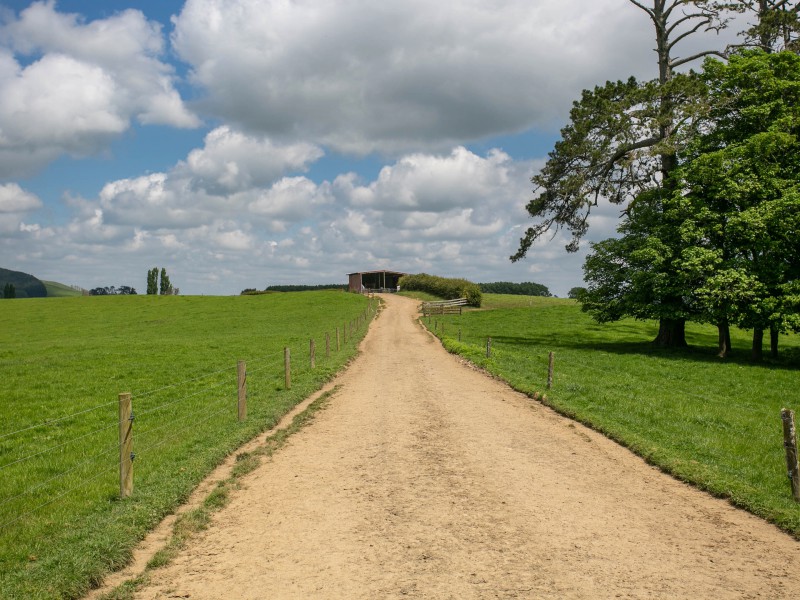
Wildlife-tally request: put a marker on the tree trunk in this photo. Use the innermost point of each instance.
(671, 334)
(758, 344)
(773, 341)
(724, 339)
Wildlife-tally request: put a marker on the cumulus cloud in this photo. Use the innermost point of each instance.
(392, 76)
(13, 199)
(80, 84)
(232, 161)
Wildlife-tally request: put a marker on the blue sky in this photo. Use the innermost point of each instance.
(245, 143)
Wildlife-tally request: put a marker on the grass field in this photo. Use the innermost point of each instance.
(715, 423)
(59, 290)
(63, 363)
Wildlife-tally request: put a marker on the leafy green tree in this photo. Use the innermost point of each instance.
(724, 241)
(742, 182)
(165, 286)
(152, 281)
(623, 140)
(576, 293)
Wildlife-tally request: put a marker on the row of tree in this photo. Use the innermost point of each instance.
(706, 166)
(162, 287)
(111, 290)
(9, 291)
(526, 288)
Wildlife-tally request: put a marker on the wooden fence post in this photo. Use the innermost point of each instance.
(488, 347)
(241, 372)
(327, 345)
(312, 350)
(344, 333)
(338, 345)
(287, 367)
(790, 443)
(459, 334)
(550, 366)
(125, 446)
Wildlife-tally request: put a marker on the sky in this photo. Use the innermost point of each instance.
(247, 143)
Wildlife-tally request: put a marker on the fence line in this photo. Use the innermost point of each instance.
(141, 433)
(211, 410)
(178, 401)
(57, 498)
(69, 441)
(174, 385)
(90, 460)
(58, 420)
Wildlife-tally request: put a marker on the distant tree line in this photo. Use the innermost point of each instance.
(270, 289)
(162, 287)
(9, 291)
(527, 288)
(122, 290)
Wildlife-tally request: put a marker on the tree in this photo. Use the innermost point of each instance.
(9, 291)
(742, 185)
(623, 139)
(724, 240)
(777, 25)
(152, 281)
(165, 287)
(576, 293)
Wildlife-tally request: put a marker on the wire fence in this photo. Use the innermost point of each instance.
(80, 454)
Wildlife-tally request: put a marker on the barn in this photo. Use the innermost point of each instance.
(377, 281)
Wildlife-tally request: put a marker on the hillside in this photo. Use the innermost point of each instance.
(25, 285)
(59, 290)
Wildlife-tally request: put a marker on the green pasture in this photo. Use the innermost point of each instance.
(63, 363)
(712, 422)
(59, 290)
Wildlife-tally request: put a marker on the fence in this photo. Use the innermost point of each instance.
(132, 437)
(543, 377)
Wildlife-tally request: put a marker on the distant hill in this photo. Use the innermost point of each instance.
(25, 285)
(59, 290)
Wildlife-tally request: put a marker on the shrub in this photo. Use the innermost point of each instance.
(449, 289)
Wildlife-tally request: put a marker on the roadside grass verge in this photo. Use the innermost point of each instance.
(711, 422)
(62, 364)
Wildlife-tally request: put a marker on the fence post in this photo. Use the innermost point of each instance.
(344, 332)
(459, 334)
(241, 372)
(488, 347)
(338, 345)
(287, 367)
(125, 446)
(550, 366)
(312, 349)
(790, 443)
(327, 345)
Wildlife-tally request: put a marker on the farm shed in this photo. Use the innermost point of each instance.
(374, 280)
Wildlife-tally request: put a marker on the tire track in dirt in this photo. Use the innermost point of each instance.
(426, 479)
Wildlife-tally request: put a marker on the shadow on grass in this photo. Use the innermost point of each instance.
(700, 349)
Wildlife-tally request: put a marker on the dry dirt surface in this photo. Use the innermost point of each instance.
(424, 478)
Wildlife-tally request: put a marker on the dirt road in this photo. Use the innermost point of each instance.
(426, 479)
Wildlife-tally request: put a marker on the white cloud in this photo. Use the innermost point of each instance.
(13, 199)
(394, 76)
(232, 161)
(80, 86)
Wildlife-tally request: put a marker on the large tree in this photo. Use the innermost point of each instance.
(741, 184)
(622, 141)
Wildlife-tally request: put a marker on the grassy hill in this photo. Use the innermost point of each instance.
(25, 285)
(59, 290)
